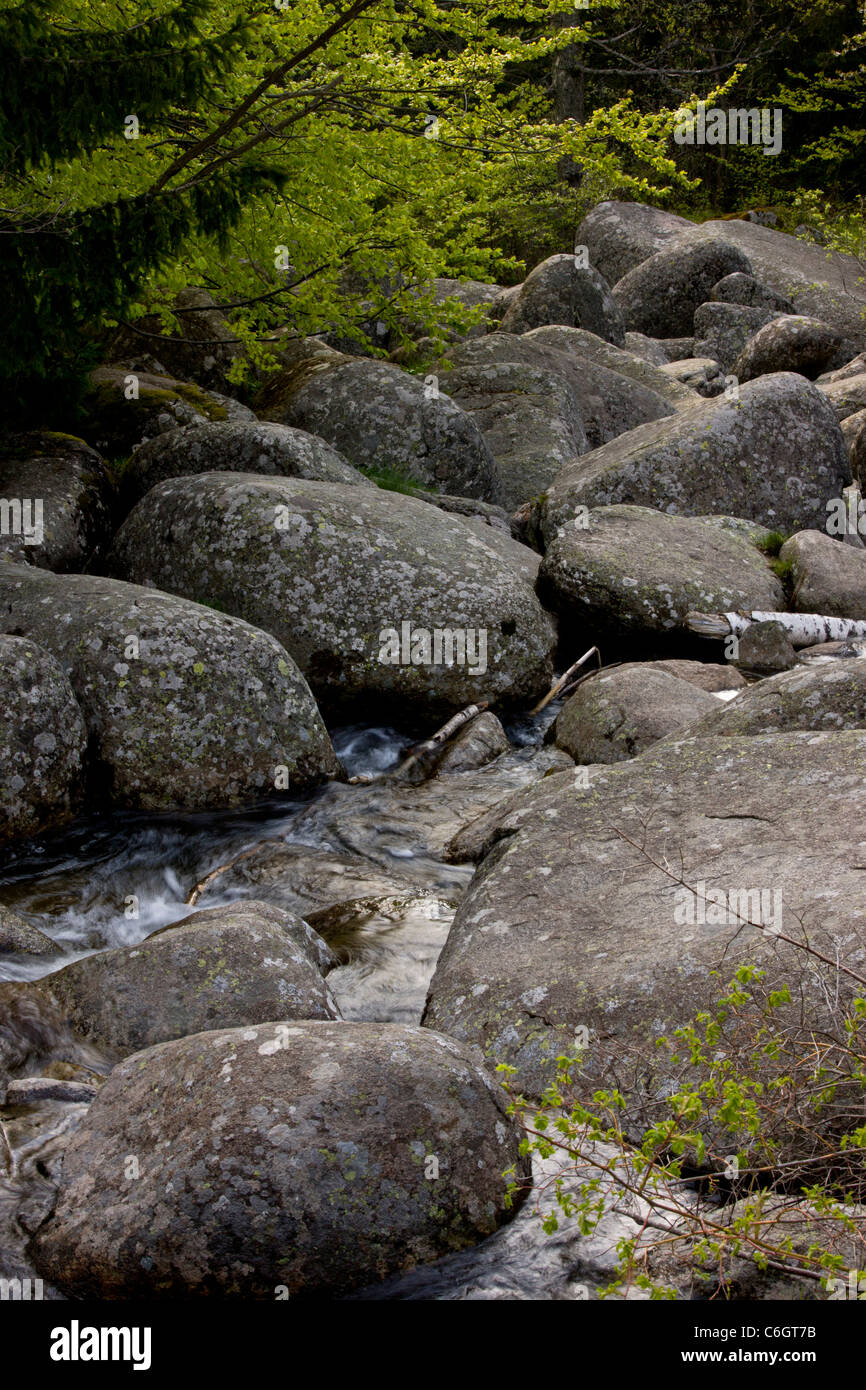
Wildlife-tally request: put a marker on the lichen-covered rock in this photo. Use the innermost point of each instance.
(560, 291)
(791, 343)
(524, 561)
(773, 454)
(280, 1160)
(124, 408)
(826, 576)
(289, 924)
(348, 579)
(745, 289)
(608, 403)
(619, 236)
(828, 288)
(18, 936)
(617, 714)
(582, 344)
(570, 922)
(855, 366)
(43, 741)
(184, 707)
(237, 966)
(248, 446)
(825, 695)
(378, 416)
(648, 349)
(529, 418)
(723, 330)
(847, 395)
(631, 572)
(55, 500)
(704, 375)
(857, 449)
(659, 297)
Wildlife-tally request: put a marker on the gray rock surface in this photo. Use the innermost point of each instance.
(203, 715)
(254, 446)
(328, 569)
(821, 695)
(826, 576)
(723, 330)
(70, 499)
(378, 416)
(571, 921)
(745, 289)
(634, 573)
(792, 343)
(620, 236)
(659, 297)
(617, 714)
(222, 969)
(280, 1160)
(773, 455)
(43, 741)
(116, 421)
(559, 291)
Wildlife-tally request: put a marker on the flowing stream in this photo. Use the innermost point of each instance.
(110, 880)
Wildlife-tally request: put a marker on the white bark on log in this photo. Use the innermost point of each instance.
(804, 629)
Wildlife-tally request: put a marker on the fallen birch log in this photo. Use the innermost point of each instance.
(804, 629)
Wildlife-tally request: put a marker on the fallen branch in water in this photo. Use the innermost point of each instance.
(563, 680)
(454, 725)
(6, 1152)
(804, 629)
(223, 868)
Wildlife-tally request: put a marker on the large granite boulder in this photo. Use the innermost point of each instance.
(124, 407)
(632, 573)
(221, 969)
(529, 418)
(619, 236)
(723, 330)
(579, 343)
(847, 395)
(826, 576)
(279, 1160)
(617, 714)
(43, 741)
(745, 289)
(790, 343)
(380, 417)
(825, 287)
(659, 297)
(606, 901)
(774, 454)
(560, 291)
(355, 582)
(184, 706)
(609, 404)
(55, 500)
(248, 446)
(821, 695)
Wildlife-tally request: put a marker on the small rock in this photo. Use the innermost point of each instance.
(16, 935)
(766, 648)
(617, 714)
